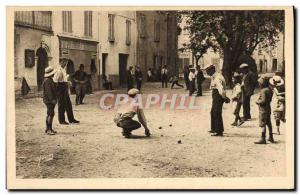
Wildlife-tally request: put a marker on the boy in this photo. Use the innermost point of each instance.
(237, 97)
(263, 102)
(279, 90)
(126, 112)
(49, 98)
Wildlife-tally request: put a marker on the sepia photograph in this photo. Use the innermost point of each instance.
(150, 97)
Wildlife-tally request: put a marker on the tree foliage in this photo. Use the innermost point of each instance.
(234, 33)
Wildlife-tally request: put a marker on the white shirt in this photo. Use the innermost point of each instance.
(218, 82)
(149, 73)
(164, 71)
(192, 76)
(60, 75)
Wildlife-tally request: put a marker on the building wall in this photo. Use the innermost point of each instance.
(165, 49)
(29, 38)
(265, 58)
(118, 46)
(75, 45)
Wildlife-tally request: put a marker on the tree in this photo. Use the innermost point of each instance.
(198, 46)
(236, 33)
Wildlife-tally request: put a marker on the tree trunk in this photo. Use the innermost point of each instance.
(227, 66)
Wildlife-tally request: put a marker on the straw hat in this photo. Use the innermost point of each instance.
(133, 91)
(244, 65)
(49, 71)
(276, 81)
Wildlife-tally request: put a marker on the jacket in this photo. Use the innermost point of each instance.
(249, 83)
(49, 91)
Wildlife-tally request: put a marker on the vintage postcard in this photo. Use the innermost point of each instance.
(150, 97)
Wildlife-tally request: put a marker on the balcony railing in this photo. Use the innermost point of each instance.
(41, 20)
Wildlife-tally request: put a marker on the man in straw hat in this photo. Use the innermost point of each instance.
(64, 102)
(49, 98)
(126, 112)
(218, 87)
(248, 87)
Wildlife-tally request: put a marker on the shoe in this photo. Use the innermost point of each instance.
(271, 139)
(64, 123)
(241, 122)
(54, 131)
(50, 132)
(126, 134)
(261, 141)
(147, 133)
(211, 131)
(217, 134)
(234, 124)
(74, 121)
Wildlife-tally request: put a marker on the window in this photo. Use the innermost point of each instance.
(128, 31)
(156, 31)
(35, 19)
(111, 28)
(88, 23)
(67, 21)
(142, 26)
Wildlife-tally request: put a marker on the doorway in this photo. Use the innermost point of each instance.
(104, 62)
(122, 69)
(42, 63)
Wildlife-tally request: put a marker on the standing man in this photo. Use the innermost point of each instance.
(218, 98)
(64, 102)
(80, 78)
(149, 75)
(192, 79)
(138, 78)
(130, 74)
(186, 76)
(200, 78)
(248, 86)
(164, 77)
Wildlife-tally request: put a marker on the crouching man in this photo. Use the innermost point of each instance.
(126, 112)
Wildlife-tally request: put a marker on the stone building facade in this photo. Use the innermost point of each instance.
(157, 41)
(106, 42)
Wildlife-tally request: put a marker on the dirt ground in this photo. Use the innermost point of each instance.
(95, 148)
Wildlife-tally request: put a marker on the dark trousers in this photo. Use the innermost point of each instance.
(246, 107)
(129, 125)
(164, 81)
(138, 84)
(187, 83)
(80, 92)
(64, 103)
(192, 87)
(50, 115)
(199, 90)
(216, 112)
(176, 83)
(129, 85)
(108, 85)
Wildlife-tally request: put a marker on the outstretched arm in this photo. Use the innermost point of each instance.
(143, 121)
